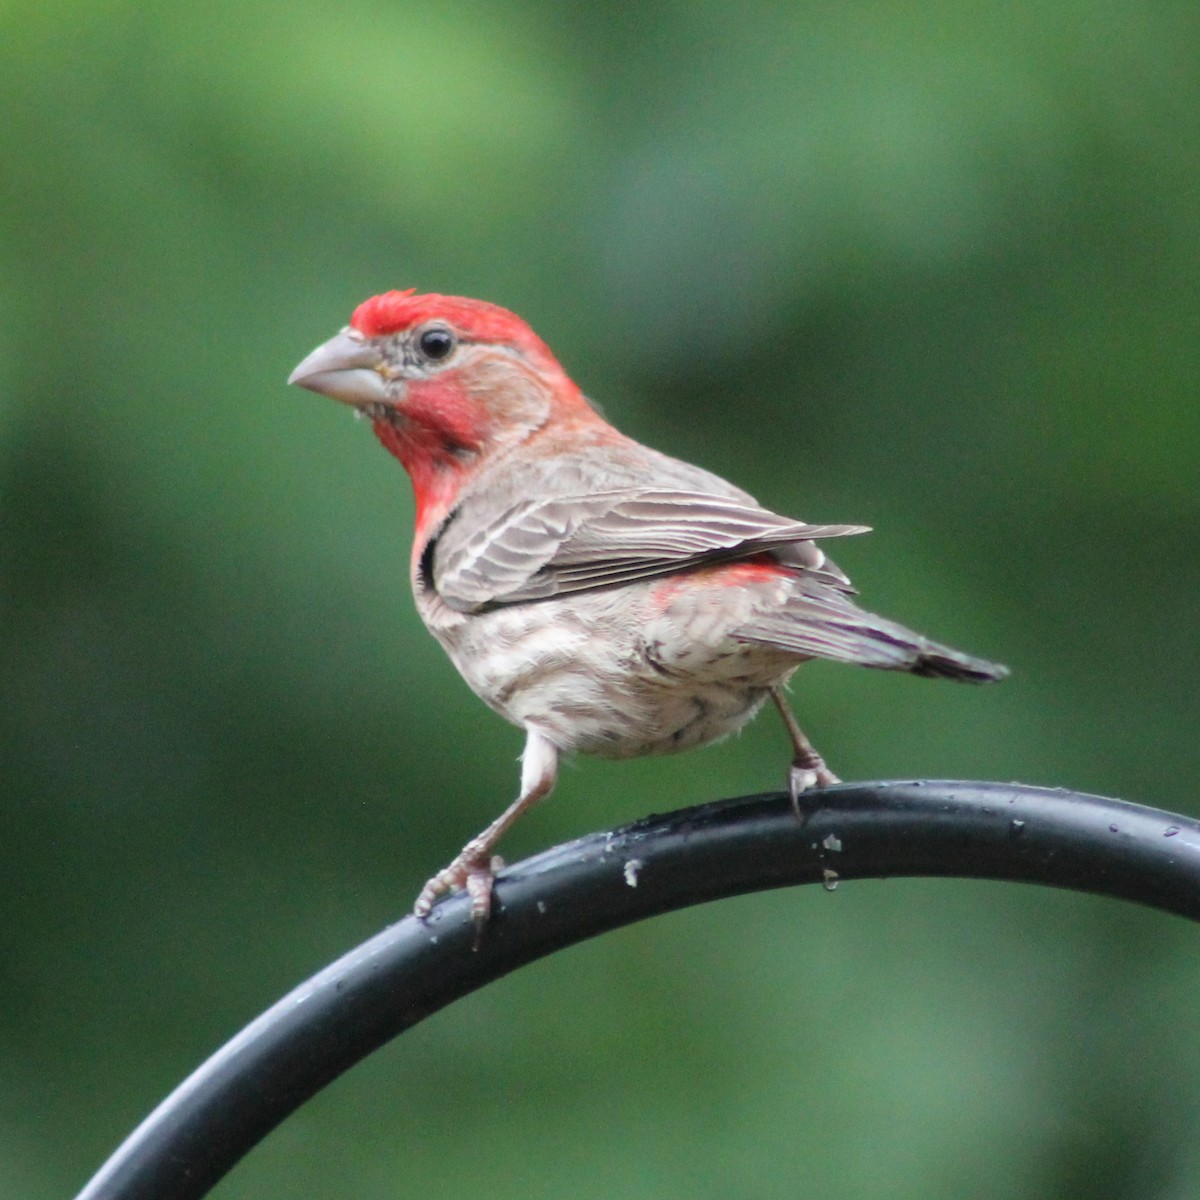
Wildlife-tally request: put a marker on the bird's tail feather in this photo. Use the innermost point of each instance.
(824, 623)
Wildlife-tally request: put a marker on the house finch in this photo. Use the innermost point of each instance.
(602, 596)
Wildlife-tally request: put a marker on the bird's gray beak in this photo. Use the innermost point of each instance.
(345, 368)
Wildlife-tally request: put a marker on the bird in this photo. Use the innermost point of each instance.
(602, 596)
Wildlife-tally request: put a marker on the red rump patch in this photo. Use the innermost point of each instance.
(756, 569)
(752, 570)
(475, 320)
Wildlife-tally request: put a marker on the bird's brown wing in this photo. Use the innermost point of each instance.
(545, 547)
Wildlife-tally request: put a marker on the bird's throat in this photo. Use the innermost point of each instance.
(436, 465)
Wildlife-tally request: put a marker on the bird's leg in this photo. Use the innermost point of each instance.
(475, 866)
(808, 768)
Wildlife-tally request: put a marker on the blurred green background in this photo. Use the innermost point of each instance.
(927, 266)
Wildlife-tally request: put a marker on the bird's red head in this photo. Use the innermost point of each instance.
(474, 320)
(448, 382)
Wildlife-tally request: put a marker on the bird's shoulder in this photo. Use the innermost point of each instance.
(589, 469)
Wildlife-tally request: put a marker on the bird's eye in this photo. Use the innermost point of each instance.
(436, 344)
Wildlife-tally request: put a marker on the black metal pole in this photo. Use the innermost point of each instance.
(600, 882)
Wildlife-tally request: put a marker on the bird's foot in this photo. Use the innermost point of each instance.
(473, 871)
(808, 771)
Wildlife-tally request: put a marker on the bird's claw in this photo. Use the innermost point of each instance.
(471, 872)
(806, 773)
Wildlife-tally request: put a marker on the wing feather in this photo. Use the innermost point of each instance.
(544, 547)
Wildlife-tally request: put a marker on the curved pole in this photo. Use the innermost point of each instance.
(574, 891)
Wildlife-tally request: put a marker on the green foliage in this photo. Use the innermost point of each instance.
(931, 267)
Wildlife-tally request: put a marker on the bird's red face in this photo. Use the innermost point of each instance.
(400, 340)
(446, 381)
